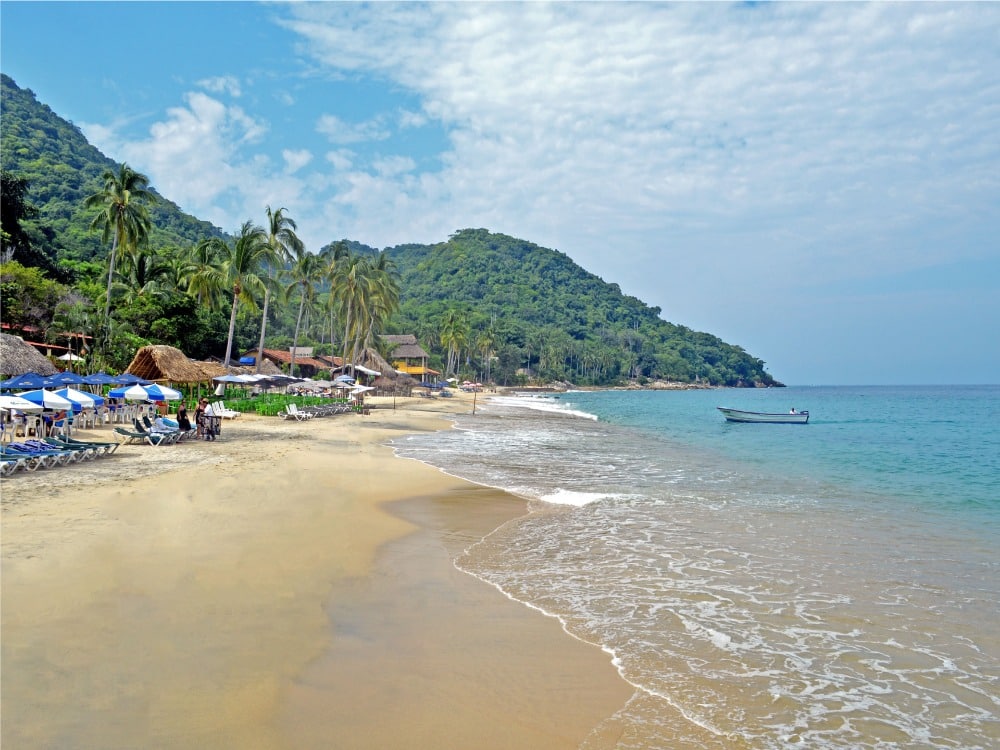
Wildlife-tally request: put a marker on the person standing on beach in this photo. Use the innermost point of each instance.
(199, 416)
(182, 417)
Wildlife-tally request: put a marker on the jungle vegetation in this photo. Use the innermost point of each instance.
(89, 246)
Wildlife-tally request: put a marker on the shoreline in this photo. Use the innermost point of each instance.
(290, 583)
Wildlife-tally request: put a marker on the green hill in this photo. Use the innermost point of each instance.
(553, 319)
(62, 168)
(528, 313)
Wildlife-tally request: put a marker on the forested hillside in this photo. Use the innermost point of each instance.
(62, 168)
(484, 305)
(545, 314)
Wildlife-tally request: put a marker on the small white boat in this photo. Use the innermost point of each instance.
(793, 417)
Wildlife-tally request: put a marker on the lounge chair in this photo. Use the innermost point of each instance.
(45, 459)
(103, 448)
(9, 464)
(48, 444)
(294, 412)
(172, 436)
(219, 409)
(131, 437)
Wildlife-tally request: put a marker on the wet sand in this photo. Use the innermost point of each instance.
(288, 586)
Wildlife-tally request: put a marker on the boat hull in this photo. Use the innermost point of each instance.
(736, 415)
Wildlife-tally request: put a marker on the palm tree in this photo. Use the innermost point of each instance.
(145, 273)
(205, 281)
(304, 274)
(366, 293)
(287, 247)
(454, 337)
(384, 296)
(487, 344)
(242, 267)
(334, 256)
(122, 216)
(73, 319)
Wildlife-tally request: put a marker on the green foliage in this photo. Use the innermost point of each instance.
(28, 299)
(484, 305)
(61, 169)
(550, 319)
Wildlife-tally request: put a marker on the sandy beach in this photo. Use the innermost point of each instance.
(288, 586)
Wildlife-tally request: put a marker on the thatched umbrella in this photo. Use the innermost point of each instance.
(18, 357)
(167, 363)
(374, 361)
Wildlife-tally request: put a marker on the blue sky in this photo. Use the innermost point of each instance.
(817, 183)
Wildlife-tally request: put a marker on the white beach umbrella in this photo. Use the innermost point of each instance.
(19, 404)
(84, 400)
(47, 399)
(146, 393)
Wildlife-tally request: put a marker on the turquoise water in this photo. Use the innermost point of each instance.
(934, 445)
(830, 585)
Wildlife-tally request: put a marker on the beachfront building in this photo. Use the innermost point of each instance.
(408, 356)
(307, 364)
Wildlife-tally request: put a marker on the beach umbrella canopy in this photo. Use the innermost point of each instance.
(48, 399)
(127, 378)
(80, 399)
(63, 378)
(70, 357)
(27, 380)
(21, 404)
(98, 378)
(150, 392)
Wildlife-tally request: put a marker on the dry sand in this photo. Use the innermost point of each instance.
(287, 586)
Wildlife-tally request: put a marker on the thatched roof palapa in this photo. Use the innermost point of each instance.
(374, 361)
(18, 357)
(170, 364)
(405, 346)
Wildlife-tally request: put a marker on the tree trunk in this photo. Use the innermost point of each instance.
(295, 338)
(263, 328)
(232, 330)
(111, 276)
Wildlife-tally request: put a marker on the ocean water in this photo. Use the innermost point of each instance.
(830, 585)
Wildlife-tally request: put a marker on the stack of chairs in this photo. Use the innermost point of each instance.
(32, 454)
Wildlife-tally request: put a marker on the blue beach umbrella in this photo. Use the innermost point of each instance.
(19, 404)
(150, 392)
(63, 378)
(27, 380)
(99, 378)
(127, 378)
(48, 399)
(80, 399)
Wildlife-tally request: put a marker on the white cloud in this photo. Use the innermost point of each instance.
(410, 119)
(195, 157)
(222, 85)
(803, 120)
(295, 159)
(341, 159)
(338, 131)
(712, 145)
